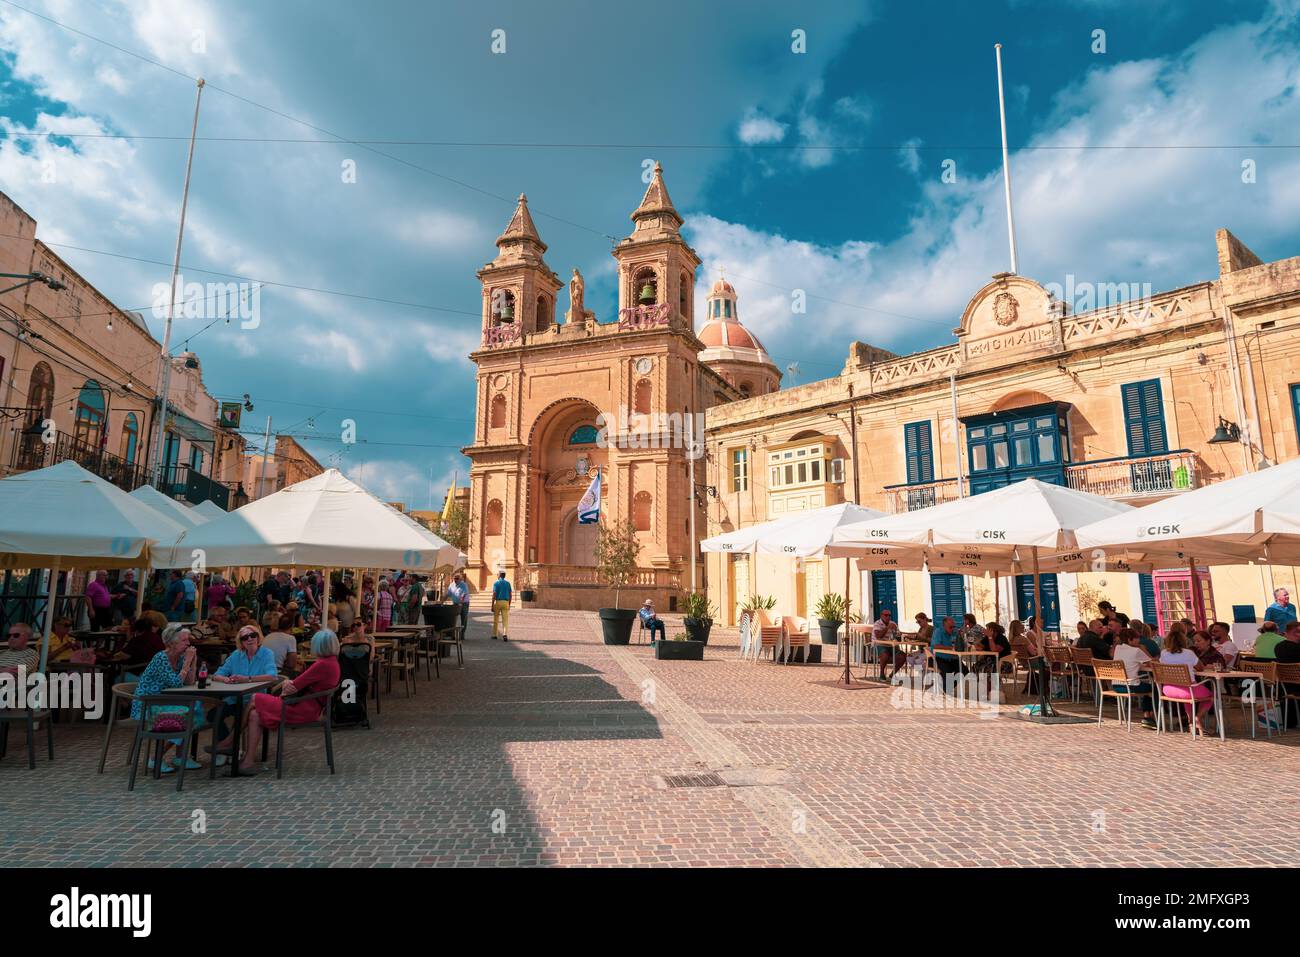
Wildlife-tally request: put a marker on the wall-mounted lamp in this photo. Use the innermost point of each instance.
(1225, 432)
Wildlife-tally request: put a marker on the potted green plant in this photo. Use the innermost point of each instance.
(699, 613)
(616, 550)
(832, 610)
(679, 648)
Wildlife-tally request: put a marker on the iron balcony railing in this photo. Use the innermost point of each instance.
(32, 452)
(1148, 476)
(1136, 477)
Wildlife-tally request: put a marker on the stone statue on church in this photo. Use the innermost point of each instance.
(576, 312)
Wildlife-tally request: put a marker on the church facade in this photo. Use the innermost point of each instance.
(557, 402)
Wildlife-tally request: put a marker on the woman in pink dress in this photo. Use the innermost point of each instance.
(322, 675)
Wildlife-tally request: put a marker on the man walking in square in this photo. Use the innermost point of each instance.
(501, 593)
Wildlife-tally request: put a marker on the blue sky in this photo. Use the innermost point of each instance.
(818, 171)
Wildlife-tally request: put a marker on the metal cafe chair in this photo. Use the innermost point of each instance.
(325, 721)
(145, 735)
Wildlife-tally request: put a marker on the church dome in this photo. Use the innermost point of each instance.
(730, 349)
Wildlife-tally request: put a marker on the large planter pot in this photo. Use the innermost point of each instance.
(679, 650)
(697, 629)
(616, 625)
(830, 631)
(441, 616)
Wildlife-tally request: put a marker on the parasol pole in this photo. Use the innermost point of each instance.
(997, 598)
(1038, 603)
(49, 614)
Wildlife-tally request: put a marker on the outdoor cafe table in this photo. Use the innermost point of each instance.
(1219, 677)
(965, 659)
(215, 692)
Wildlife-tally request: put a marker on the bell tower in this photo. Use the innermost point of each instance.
(656, 268)
(518, 287)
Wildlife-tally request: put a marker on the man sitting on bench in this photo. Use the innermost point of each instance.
(651, 621)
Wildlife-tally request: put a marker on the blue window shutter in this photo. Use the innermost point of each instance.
(1147, 586)
(948, 597)
(920, 454)
(1144, 418)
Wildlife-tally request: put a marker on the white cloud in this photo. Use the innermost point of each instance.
(1111, 212)
(757, 128)
(438, 230)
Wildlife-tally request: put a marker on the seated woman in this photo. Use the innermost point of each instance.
(1129, 650)
(267, 708)
(971, 630)
(1176, 652)
(143, 646)
(1206, 654)
(249, 662)
(284, 646)
(359, 636)
(175, 665)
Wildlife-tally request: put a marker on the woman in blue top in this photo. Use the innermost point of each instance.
(248, 662)
(172, 667)
(945, 636)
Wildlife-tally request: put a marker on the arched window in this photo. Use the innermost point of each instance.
(645, 277)
(503, 306)
(746, 389)
(583, 435)
(494, 516)
(543, 313)
(641, 508)
(497, 419)
(40, 394)
(88, 426)
(130, 439)
(683, 296)
(642, 400)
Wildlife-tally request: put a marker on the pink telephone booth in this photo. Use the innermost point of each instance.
(1180, 594)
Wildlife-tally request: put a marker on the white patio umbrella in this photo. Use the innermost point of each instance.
(1005, 530)
(325, 521)
(1254, 517)
(799, 535)
(64, 517)
(209, 510)
(169, 506)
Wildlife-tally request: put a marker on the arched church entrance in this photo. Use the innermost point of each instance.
(579, 541)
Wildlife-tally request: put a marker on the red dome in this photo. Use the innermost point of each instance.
(719, 332)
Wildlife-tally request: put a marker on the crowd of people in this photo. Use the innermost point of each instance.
(1111, 635)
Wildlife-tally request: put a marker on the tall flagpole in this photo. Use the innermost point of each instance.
(165, 374)
(1006, 164)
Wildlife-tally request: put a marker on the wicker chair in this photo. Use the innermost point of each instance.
(1179, 677)
(769, 633)
(795, 635)
(1113, 682)
(1265, 690)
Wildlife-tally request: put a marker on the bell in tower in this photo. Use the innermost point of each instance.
(656, 266)
(518, 287)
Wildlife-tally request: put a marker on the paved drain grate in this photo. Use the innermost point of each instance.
(709, 780)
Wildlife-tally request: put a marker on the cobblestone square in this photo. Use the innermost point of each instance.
(553, 749)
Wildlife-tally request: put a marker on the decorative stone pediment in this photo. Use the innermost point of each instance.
(1011, 316)
(567, 478)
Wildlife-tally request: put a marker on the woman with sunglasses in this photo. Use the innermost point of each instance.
(250, 661)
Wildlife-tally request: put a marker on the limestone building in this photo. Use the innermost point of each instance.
(557, 401)
(1138, 400)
